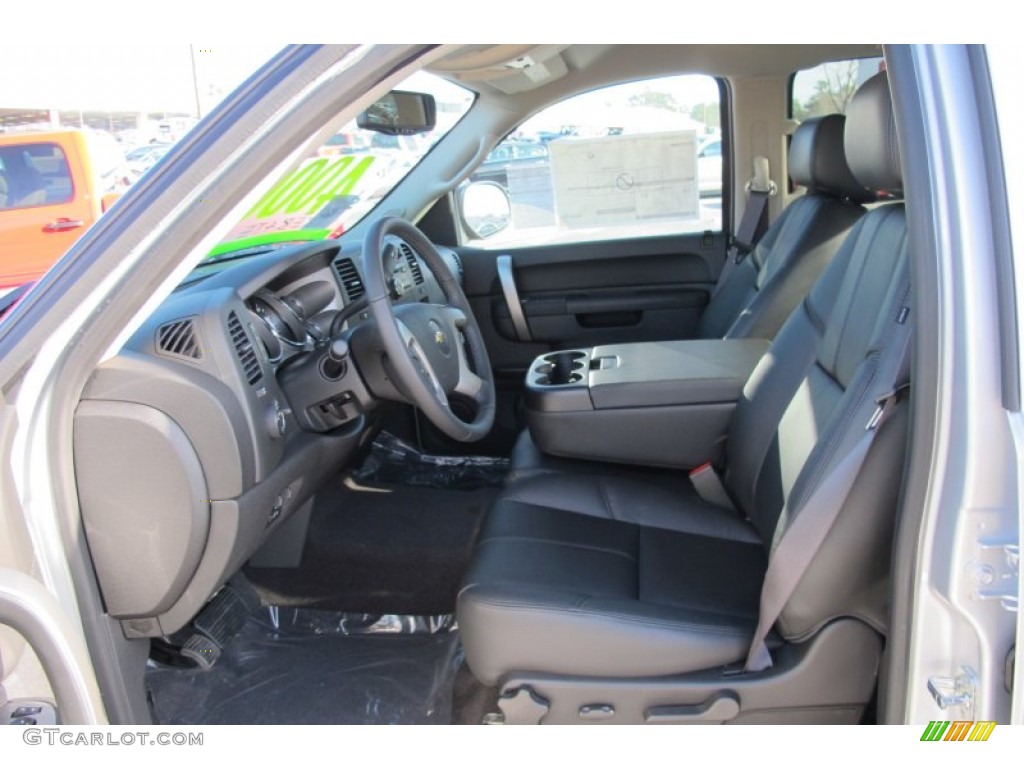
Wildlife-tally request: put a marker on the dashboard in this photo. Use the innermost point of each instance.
(220, 418)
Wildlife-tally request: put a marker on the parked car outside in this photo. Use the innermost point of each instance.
(515, 153)
(141, 159)
(53, 186)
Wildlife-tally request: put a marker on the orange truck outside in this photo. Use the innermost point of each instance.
(53, 186)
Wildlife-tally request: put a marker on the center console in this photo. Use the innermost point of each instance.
(665, 404)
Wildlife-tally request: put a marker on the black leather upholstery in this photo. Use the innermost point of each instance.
(873, 151)
(653, 501)
(762, 291)
(817, 160)
(528, 460)
(631, 574)
(558, 592)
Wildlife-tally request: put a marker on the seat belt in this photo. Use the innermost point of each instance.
(705, 478)
(759, 189)
(809, 527)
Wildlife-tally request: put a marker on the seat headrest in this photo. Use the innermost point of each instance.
(817, 159)
(871, 146)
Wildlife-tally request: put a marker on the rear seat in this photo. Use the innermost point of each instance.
(762, 291)
(596, 576)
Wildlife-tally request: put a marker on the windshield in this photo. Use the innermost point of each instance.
(345, 178)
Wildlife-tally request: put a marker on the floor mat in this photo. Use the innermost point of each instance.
(392, 460)
(295, 667)
(381, 548)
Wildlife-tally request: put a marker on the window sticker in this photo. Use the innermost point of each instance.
(625, 179)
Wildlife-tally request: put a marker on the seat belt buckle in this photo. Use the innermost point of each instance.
(709, 486)
(738, 251)
(705, 467)
(883, 406)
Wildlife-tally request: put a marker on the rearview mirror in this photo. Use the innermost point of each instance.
(400, 113)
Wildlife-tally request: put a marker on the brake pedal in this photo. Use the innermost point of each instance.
(202, 650)
(225, 615)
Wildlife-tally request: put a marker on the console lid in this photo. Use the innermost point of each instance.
(672, 372)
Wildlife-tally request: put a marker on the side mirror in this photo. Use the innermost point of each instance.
(400, 113)
(485, 208)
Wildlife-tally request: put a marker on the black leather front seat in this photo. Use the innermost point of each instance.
(588, 577)
(765, 288)
(762, 291)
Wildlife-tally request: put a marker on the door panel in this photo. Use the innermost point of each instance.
(582, 294)
(611, 225)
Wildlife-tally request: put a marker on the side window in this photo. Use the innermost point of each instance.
(33, 174)
(630, 160)
(828, 88)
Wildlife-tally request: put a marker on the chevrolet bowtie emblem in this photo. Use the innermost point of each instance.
(440, 337)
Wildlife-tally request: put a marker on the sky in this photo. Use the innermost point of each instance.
(159, 78)
(736, 21)
(112, 77)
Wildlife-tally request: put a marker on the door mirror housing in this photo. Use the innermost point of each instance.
(485, 208)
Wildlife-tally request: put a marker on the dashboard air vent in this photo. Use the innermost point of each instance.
(243, 348)
(350, 279)
(178, 339)
(413, 262)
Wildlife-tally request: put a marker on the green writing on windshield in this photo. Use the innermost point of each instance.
(311, 187)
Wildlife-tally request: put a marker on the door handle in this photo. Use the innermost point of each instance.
(515, 307)
(63, 225)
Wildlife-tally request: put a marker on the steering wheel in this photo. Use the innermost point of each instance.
(423, 342)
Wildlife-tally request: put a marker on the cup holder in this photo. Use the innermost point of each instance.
(560, 368)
